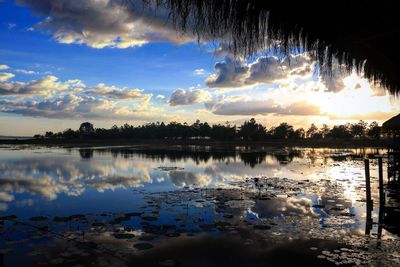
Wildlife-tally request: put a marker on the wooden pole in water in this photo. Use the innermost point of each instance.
(368, 194)
(381, 197)
(381, 192)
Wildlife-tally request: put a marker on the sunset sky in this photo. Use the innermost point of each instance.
(63, 62)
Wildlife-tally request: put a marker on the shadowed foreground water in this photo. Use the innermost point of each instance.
(190, 207)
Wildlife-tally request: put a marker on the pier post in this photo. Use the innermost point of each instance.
(368, 197)
(381, 191)
(381, 198)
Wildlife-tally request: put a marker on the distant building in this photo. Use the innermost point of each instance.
(391, 127)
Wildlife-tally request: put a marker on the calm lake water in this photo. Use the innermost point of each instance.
(99, 196)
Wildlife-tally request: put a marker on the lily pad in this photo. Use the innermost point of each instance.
(38, 218)
(143, 246)
(123, 236)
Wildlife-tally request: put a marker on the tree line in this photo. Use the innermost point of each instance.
(249, 130)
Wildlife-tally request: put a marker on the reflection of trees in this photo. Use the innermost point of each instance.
(253, 158)
(285, 157)
(86, 153)
(171, 154)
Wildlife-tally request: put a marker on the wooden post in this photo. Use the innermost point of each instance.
(381, 198)
(368, 197)
(381, 192)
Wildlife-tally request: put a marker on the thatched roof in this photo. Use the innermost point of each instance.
(392, 124)
(363, 35)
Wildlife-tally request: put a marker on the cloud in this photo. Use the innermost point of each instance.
(242, 105)
(11, 26)
(73, 106)
(229, 73)
(188, 97)
(117, 93)
(4, 67)
(4, 76)
(105, 23)
(200, 72)
(28, 72)
(66, 106)
(48, 97)
(184, 178)
(372, 116)
(333, 83)
(301, 108)
(45, 86)
(235, 73)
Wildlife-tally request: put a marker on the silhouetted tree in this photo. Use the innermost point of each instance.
(49, 135)
(374, 130)
(86, 128)
(283, 131)
(251, 130)
(324, 130)
(69, 134)
(340, 131)
(358, 129)
(312, 132)
(298, 134)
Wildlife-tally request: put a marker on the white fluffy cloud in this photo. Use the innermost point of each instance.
(49, 97)
(46, 86)
(66, 106)
(188, 97)
(265, 69)
(104, 23)
(4, 67)
(72, 106)
(237, 73)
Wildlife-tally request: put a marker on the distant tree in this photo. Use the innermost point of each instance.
(312, 132)
(251, 130)
(324, 130)
(283, 131)
(69, 133)
(49, 135)
(374, 130)
(340, 132)
(298, 134)
(223, 132)
(358, 129)
(86, 128)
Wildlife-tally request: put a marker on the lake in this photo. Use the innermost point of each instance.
(124, 205)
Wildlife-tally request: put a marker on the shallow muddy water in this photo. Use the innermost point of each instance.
(124, 206)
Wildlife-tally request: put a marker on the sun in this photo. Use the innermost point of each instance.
(358, 98)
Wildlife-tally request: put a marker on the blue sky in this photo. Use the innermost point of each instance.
(64, 62)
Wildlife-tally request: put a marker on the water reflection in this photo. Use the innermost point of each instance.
(47, 173)
(111, 194)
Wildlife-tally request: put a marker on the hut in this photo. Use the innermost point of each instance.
(359, 35)
(391, 127)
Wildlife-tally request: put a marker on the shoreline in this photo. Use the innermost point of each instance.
(203, 143)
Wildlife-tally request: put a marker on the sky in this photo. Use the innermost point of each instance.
(63, 62)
